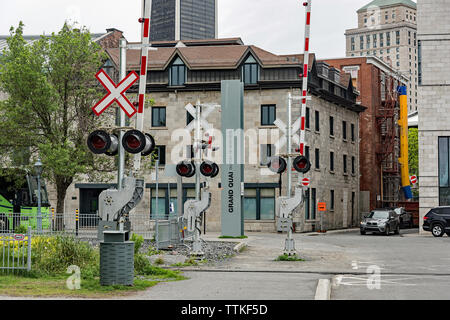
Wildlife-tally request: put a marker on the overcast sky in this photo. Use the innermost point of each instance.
(274, 25)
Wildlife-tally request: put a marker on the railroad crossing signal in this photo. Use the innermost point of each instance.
(134, 142)
(116, 93)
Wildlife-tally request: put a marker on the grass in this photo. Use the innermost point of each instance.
(52, 255)
(230, 237)
(285, 257)
(189, 263)
(55, 286)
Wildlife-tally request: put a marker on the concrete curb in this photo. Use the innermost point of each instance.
(239, 246)
(323, 291)
(331, 232)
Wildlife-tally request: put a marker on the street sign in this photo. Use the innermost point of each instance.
(322, 206)
(19, 237)
(305, 182)
(115, 93)
(413, 179)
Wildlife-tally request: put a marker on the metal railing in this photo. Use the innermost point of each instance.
(15, 251)
(77, 224)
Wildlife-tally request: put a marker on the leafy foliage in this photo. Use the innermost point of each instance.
(50, 88)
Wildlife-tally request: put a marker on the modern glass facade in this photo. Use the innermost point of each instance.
(196, 19)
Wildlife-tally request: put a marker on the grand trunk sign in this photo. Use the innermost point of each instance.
(233, 158)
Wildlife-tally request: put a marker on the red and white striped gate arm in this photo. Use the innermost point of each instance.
(145, 20)
(307, 4)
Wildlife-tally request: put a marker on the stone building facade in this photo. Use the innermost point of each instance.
(434, 99)
(388, 29)
(182, 75)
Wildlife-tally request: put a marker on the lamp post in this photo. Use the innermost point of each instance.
(38, 171)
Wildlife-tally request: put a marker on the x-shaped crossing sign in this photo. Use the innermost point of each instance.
(116, 93)
(205, 113)
(282, 126)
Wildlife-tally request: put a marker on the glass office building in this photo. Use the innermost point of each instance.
(183, 20)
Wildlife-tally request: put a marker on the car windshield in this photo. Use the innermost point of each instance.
(379, 215)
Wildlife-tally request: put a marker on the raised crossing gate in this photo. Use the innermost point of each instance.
(15, 251)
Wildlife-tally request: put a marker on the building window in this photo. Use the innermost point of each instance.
(158, 117)
(317, 121)
(307, 118)
(313, 204)
(419, 56)
(352, 132)
(361, 42)
(353, 165)
(161, 154)
(266, 151)
(250, 71)
(331, 200)
(164, 200)
(177, 73)
(268, 115)
(307, 153)
(444, 165)
(317, 159)
(344, 130)
(345, 163)
(259, 203)
(332, 161)
(331, 126)
(307, 205)
(189, 118)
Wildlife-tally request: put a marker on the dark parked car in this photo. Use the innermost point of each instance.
(381, 220)
(406, 218)
(437, 221)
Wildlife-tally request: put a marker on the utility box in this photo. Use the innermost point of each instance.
(116, 259)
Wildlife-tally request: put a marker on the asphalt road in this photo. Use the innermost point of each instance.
(410, 266)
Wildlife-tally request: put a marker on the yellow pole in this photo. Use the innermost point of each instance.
(403, 160)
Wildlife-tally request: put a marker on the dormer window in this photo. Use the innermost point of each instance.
(177, 74)
(250, 71)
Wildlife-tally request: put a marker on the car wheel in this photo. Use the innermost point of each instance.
(397, 230)
(437, 230)
(387, 231)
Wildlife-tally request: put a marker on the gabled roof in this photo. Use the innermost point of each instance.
(208, 57)
(386, 3)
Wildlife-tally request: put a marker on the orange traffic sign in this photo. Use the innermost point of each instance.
(322, 206)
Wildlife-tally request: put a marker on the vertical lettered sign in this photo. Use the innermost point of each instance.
(233, 158)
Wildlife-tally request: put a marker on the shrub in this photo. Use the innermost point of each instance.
(21, 229)
(138, 241)
(53, 255)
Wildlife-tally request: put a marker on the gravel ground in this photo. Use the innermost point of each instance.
(215, 251)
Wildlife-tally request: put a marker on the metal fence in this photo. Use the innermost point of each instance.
(77, 224)
(15, 251)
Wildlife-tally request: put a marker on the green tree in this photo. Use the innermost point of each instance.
(50, 88)
(413, 151)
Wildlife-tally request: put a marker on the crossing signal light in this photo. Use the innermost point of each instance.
(185, 169)
(301, 164)
(101, 142)
(209, 169)
(277, 165)
(135, 142)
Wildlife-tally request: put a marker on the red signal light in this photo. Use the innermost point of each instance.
(135, 141)
(185, 169)
(277, 165)
(301, 164)
(100, 142)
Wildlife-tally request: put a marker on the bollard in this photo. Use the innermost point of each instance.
(76, 222)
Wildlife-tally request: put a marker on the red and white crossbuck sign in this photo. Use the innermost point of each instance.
(116, 93)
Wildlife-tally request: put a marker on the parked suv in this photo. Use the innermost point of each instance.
(406, 219)
(437, 221)
(381, 220)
